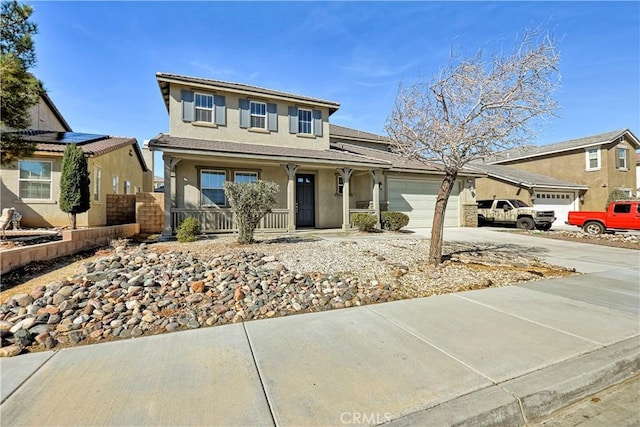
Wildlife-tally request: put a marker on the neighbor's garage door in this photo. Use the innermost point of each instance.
(561, 203)
(418, 200)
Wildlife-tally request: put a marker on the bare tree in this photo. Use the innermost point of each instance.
(473, 108)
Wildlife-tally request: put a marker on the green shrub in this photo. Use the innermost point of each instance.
(364, 221)
(250, 201)
(394, 221)
(188, 230)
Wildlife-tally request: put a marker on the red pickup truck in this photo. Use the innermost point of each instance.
(620, 215)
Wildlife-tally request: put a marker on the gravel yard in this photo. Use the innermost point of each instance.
(132, 290)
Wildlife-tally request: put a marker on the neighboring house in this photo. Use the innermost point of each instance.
(222, 131)
(638, 175)
(32, 185)
(545, 192)
(573, 175)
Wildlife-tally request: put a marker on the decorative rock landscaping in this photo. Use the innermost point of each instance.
(147, 290)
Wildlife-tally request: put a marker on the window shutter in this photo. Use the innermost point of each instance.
(317, 122)
(244, 113)
(293, 120)
(219, 103)
(272, 117)
(187, 105)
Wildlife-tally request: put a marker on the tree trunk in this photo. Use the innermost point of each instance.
(435, 250)
(73, 221)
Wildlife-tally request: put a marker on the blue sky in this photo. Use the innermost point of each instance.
(98, 59)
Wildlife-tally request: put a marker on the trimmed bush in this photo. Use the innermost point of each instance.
(188, 230)
(394, 221)
(364, 221)
(250, 201)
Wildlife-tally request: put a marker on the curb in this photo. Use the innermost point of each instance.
(535, 395)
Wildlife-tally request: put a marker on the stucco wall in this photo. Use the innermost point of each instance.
(489, 188)
(47, 213)
(121, 162)
(232, 130)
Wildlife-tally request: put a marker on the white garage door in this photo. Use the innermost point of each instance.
(418, 200)
(561, 203)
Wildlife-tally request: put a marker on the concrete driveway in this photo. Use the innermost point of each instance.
(503, 356)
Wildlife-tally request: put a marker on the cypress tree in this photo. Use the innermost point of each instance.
(75, 194)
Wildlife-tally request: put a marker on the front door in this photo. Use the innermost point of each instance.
(305, 203)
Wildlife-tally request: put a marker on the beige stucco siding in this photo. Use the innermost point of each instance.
(489, 188)
(122, 163)
(47, 213)
(232, 130)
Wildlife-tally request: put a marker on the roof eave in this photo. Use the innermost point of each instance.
(280, 158)
(331, 106)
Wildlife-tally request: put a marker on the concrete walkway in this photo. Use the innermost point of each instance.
(503, 356)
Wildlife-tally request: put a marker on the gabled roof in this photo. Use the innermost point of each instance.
(559, 147)
(260, 151)
(164, 79)
(524, 178)
(93, 148)
(55, 111)
(342, 133)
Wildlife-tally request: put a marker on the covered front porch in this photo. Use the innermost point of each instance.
(314, 193)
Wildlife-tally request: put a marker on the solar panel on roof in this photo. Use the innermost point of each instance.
(66, 137)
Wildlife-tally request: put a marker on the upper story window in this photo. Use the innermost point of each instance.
(212, 188)
(127, 187)
(258, 115)
(204, 108)
(35, 179)
(241, 177)
(593, 159)
(97, 183)
(303, 121)
(114, 184)
(621, 158)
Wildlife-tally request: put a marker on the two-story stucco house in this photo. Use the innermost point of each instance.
(579, 174)
(221, 131)
(32, 185)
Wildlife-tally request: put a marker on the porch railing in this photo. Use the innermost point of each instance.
(223, 220)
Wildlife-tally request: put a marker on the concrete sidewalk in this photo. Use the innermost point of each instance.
(501, 356)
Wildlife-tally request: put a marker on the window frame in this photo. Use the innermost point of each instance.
(235, 175)
(115, 182)
(126, 186)
(97, 184)
(626, 158)
(212, 204)
(260, 116)
(598, 159)
(300, 122)
(339, 185)
(50, 180)
(196, 108)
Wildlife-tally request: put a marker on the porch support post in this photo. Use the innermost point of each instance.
(291, 170)
(376, 175)
(345, 173)
(169, 164)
